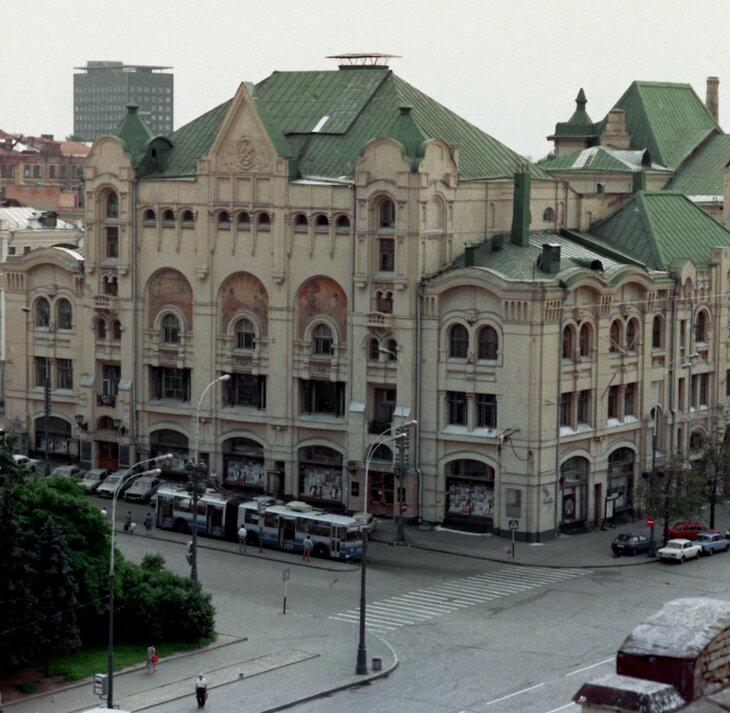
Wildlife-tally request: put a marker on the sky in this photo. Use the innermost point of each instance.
(511, 67)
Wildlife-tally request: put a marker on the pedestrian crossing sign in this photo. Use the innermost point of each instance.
(513, 524)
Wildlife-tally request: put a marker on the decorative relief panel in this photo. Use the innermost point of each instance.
(246, 154)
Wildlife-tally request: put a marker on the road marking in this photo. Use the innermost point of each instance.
(516, 693)
(562, 708)
(418, 605)
(593, 665)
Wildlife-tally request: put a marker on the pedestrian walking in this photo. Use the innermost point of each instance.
(242, 532)
(201, 690)
(128, 522)
(152, 659)
(307, 547)
(148, 522)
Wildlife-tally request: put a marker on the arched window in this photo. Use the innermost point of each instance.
(170, 329)
(342, 225)
(458, 342)
(101, 329)
(224, 220)
(568, 342)
(392, 348)
(386, 214)
(263, 222)
(116, 330)
(657, 332)
(243, 222)
(245, 334)
(64, 314)
(321, 224)
(487, 343)
(148, 218)
(112, 205)
(548, 215)
(322, 342)
(585, 340)
(616, 336)
(301, 224)
(701, 326)
(42, 313)
(168, 218)
(632, 334)
(188, 219)
(373, 350)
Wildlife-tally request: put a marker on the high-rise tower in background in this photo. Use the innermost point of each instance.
(103, 89)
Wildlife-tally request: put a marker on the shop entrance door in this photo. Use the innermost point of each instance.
(108, 455)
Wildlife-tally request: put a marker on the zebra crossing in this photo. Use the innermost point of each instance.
(422, 605)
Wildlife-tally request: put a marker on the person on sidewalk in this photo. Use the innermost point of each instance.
(307, 547)
(242, 532)
(151, 659)
(128, 521)
(201, 690)
(148, 522)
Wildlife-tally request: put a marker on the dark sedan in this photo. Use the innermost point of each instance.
(629, 543)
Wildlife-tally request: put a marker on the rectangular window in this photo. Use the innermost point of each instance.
(64, 374)
(168, 383)
(613, 402)
(683, 333)
(486, 405)
(386, 254)
(26, 171)
(246, 390)
(565, 419)
(680, 394)
(36, 171)
(327, 397)
(584, 405)
(51, 171)
(384, 405)
(703, 387)
(727, 383)
(41, 369)
(630, 400)
(456, 408)
(112, 241)
(63, 171)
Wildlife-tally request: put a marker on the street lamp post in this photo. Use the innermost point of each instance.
(110, 649)
(361, 667)
(196, 469)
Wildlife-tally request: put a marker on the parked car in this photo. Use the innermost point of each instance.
(679, 550)
(69, 471)
(119, 480)
(629, 543)
(712, 542)
(686, 529)
(142, 490)
(30, 463)
(94, 478)
(369, 522)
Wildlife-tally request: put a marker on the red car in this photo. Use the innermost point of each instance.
(686, 529)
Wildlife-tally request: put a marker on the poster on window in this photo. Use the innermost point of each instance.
(469, 498)
(245, 471)
(321, 482)
(569, 506)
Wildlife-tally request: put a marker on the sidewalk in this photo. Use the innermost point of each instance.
(314, 663)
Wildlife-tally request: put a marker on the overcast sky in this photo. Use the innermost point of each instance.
(511, 67)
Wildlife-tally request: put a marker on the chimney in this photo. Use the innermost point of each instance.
(549, 260)
(712, 100)
(520, 234)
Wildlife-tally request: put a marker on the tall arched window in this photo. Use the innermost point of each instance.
(322, 342)
(568, 342)
(116, 330)
(458, 342)
(616, 336)
(42, 313)
(112, 205)
(392, 347)
(245, 334)
(101, 329)
(386, 214)
(386, 242)
(487, 343)
(64, 314)
(632, 335)
(701, 326)
(585, 339)
(170, 329)
(373, 350)
(657, 332)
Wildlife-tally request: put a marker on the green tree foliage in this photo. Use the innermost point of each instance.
(55, 590)
(18, 617)
(157, 605)
(711, 466)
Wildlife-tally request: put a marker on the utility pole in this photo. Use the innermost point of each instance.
(402, 446)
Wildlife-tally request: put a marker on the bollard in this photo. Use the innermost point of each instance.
(377, 663)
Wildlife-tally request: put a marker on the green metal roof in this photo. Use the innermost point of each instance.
(661, 228)
(602, 158)
(326, 118)
(579, 125)
(701, 175)
(668, 119)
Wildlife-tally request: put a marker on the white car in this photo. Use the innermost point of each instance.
(30, 463)
(679, 550)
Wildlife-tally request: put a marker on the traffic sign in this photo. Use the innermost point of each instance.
(404, 507)
(513, 524)
(650, 521)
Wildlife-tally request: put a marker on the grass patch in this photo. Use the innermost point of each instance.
(28, 687)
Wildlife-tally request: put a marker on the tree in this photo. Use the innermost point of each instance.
(55, 590)
(18, 616)
(712, 468)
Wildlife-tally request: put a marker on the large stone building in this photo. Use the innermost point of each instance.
(356, 256)
(102, 90)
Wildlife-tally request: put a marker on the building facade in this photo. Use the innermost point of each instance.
(102, 91)
(356, 262)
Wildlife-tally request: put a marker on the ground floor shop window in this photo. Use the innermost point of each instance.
(59, 437)
(320, 474)
(621, 478)
(382, 493)
(574, 489)
(470, 493)
(243, 463)
(168, 441)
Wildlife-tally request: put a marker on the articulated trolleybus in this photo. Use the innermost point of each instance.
(269, 522)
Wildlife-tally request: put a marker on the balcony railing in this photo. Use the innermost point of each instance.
(106, 400)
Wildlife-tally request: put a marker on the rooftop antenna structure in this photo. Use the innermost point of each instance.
(363, 59)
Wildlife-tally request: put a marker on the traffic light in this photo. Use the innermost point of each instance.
(101, 684)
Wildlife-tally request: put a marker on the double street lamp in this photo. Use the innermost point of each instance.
(361, 667)
(196, 468)
(110, 649)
